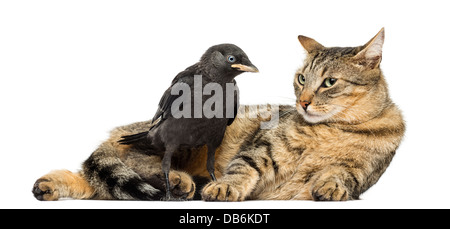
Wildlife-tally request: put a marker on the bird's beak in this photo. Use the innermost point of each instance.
(245, 68)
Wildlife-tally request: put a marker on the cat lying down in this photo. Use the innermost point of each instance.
(333, 145)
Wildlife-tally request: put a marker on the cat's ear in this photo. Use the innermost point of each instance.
(309, 44)
(370, 55)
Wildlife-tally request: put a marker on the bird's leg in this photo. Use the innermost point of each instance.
(166, 168)
(168, 194)
(210, 162)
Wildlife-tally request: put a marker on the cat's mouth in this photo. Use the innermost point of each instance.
(312, 116)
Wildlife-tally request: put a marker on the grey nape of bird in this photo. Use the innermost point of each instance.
(220, 64)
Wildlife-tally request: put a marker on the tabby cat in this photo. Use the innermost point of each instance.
(333, 145)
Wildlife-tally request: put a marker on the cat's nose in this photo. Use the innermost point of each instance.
(305, 104)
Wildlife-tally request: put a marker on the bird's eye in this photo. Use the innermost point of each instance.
(301, 79)
(329, 82)
(231, 59)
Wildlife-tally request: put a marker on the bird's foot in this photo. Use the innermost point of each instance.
(170, 197)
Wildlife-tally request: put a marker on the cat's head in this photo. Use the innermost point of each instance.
(341, 84)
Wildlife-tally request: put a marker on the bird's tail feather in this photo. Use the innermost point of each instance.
(130, 139)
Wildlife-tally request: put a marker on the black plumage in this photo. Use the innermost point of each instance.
(197, 126)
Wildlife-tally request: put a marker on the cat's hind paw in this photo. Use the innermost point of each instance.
(182, 185)
(44, 189)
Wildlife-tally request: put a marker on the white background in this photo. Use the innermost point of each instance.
(70, 71)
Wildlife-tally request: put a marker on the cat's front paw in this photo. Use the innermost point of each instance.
(218, 191)
(329, 190)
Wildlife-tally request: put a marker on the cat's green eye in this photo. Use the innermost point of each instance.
(329, 82)
(301, 79)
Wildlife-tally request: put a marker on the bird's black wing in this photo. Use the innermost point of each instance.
(170, 95)
(165, 104)
(164, 110)
(236, 104)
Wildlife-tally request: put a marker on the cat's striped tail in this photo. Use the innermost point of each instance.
(112, 179)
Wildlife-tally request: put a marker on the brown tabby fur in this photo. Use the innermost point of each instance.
(336, 151)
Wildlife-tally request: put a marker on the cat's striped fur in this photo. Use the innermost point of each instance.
(334, 149)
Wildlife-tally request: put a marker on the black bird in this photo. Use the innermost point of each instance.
(169, 132)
